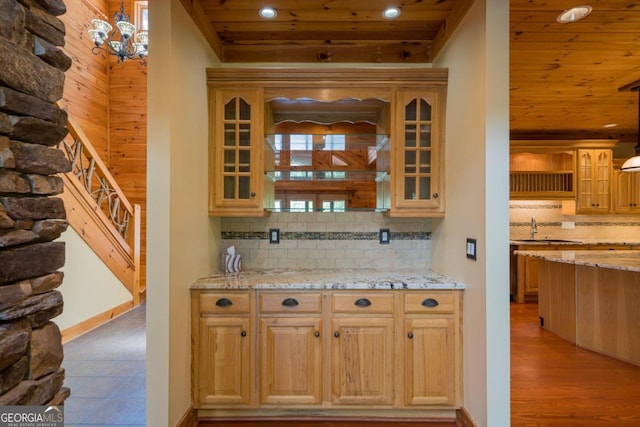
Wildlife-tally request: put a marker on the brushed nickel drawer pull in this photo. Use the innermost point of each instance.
(290, 302)
(224, 302)
(362, 302)
(430, 302)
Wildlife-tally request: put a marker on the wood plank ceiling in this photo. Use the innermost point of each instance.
(564, 78)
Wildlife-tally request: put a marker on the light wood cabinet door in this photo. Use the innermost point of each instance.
(416, 150)
(224, 361)
(290, 360)
(594, 181)
(236, 165)
(430, 364)
(626, 192)
(362, 354)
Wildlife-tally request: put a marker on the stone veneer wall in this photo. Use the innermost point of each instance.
(329, 240)
(31, 125)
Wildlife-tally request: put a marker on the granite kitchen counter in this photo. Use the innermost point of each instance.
(617, 260)
(328, 279)
(573, 242)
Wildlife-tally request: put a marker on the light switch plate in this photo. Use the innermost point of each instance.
(568, 225)
(471, 248)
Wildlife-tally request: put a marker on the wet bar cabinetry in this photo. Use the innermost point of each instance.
(268, 352)
(236, 155)
(249, 108)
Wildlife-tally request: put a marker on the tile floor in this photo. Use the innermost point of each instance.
(105, 370)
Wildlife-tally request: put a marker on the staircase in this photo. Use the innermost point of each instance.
(100, 213)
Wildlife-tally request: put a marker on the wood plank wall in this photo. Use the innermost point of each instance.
(128, 133)
(86, 82)
(109, 101)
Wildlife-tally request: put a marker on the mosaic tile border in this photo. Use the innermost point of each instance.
(328, 235)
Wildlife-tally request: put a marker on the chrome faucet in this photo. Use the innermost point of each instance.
(534, 228)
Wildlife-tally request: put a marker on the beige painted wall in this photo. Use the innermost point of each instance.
(181, 236)
(89, 287)
(477, 138)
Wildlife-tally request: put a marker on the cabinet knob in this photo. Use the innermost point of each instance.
(253, 194)
(430, 302)
(362, 302)
(224, 302)
(435, 195)
(290, 302)
(410, 335)
(317, 334)
(243, 333)
(336, 334)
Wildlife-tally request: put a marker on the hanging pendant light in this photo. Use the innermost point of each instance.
(123, 41)
(633, 164)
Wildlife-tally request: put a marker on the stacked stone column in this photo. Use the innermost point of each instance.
(32, 67)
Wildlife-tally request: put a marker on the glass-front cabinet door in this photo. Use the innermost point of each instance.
(594, 181)
(416, 147)
(237, 166)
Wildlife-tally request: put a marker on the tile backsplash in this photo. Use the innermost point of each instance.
(549, 219)
(329, 240)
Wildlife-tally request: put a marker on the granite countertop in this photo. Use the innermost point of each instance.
(327, 279)
(592, 242)
(617, 260)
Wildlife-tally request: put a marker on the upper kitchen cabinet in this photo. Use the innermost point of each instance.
(541, 170)
(317, 140)
(416, 153)
(594, 181)
(626, 190)
(236, 155)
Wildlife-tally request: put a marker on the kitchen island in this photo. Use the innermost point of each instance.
(592, 299)
(347, 343)
(524, 270)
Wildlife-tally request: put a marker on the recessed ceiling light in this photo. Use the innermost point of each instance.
(268, 13)
(610, 125)
(391, 13)
(574, 14)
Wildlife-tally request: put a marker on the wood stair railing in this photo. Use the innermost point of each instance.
(99, 212)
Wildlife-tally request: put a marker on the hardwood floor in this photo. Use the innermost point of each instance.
(360, 423)
(554, 383)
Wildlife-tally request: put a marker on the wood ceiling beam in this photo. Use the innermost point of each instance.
(194, 9)
(450, 25)
(330, 53)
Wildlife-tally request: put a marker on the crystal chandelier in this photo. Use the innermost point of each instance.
(121, 40)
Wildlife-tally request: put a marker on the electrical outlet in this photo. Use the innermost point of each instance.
(385, 236)
(274, 235)
(568, 225)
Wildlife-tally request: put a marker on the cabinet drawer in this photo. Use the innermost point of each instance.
(287, 302)
(429, 302)
(362, 302)
(225, 303)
